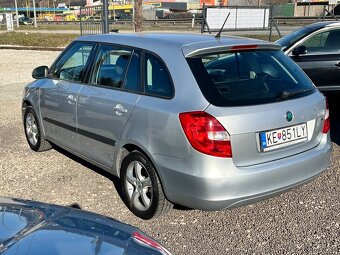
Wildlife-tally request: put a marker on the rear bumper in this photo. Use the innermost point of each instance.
(215, 183)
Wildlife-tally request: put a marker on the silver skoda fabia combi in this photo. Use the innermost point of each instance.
(204, 122)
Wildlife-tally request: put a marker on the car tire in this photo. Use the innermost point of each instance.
(33, 133)
(142, 190)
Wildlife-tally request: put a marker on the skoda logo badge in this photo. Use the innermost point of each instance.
(289, 116)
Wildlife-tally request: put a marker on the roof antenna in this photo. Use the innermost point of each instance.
(218, 36)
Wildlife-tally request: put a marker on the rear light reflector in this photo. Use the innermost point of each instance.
(149, 243)
(327, 121)
(206, 134)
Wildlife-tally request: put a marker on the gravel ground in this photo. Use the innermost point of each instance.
(305, 220)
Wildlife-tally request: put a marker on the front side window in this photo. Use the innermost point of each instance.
(110, 66)
(249, 77)
(292, 38)
(325, 42)
(156, 77)
(71, 65)
(317, 41)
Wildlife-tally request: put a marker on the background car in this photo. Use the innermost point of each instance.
(29, 227)
(316, 49)
(25, 21)
(204, 122)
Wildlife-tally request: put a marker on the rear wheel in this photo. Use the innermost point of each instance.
(33, 131)
(142, 189)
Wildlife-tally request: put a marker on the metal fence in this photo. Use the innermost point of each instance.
(92, 20)
(233, 18)
(238, 18)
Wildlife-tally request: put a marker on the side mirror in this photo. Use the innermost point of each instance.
(40, 72)
(300, 50)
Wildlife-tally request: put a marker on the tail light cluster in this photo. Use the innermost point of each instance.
(144, 240)
(327, 122)
(206, 134)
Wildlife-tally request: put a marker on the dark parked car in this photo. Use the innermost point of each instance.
(34, 228)
(25, 21)
(316, 49)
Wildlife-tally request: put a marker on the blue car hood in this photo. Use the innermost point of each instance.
(34, 228)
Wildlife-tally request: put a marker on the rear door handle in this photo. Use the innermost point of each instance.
(119, 109)
(338, 64)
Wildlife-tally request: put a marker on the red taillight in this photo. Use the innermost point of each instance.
(150, 243)
(327, 121)
(244, 47)
(206, 134)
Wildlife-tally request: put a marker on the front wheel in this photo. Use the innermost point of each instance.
(33, 131)
(142, 189)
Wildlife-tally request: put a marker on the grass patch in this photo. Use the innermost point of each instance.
(36, 39)
(264, 37)
(61, 27)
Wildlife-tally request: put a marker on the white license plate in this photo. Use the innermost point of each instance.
(279, 138)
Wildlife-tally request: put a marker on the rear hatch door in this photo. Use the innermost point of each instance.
(267, 104)
(263, 133)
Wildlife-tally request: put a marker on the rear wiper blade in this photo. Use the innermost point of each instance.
(286, 94)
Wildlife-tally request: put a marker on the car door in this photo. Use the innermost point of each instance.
(106, 103)
(322, 60)
(59, 95)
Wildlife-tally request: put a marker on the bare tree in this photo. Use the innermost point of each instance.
(138, 15)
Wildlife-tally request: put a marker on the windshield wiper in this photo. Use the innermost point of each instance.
(286, 94)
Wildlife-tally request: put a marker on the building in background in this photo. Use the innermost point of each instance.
(68, 10)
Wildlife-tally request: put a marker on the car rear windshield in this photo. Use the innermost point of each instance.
(249, 77)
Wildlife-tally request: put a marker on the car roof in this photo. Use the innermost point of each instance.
(322, 24)
(188, 43)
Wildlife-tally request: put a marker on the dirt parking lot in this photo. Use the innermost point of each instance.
(305, 220)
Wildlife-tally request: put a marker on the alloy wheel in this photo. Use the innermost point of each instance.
(139, 186)
(32, 129)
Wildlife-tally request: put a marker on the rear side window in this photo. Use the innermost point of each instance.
(110, 66)
(156, 77)
(249, 77)
(133, 75)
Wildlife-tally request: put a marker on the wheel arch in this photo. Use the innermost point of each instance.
(125, 150)
(26, 103)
